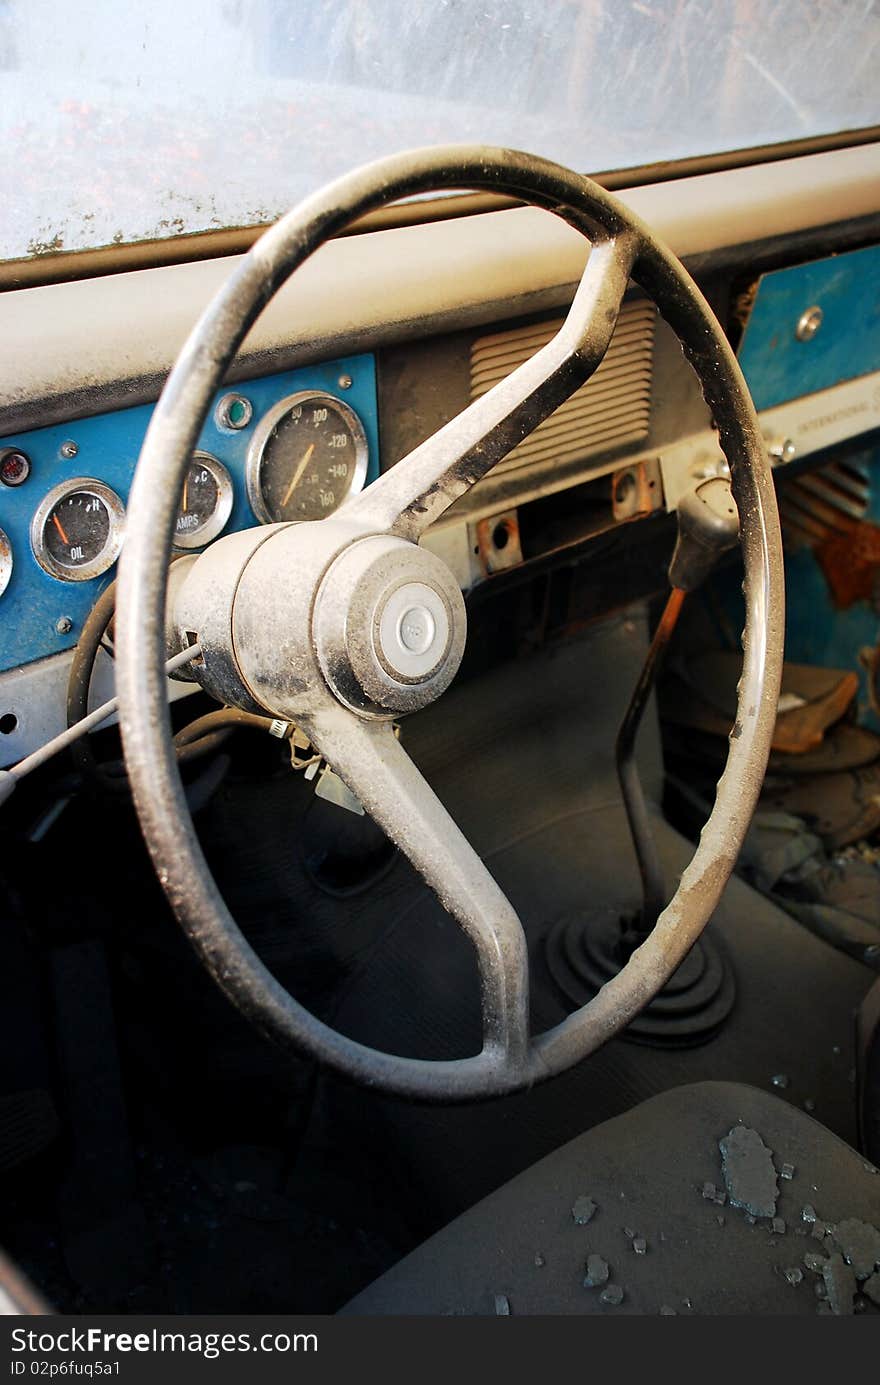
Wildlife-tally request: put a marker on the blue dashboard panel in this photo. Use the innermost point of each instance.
(777, 363)
(108, 446)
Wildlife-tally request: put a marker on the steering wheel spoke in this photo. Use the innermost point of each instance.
(374, 765)
(417, 491)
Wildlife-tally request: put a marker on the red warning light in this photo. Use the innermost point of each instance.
(15, 466)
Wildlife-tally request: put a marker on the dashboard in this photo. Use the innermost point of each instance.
(377, 342)
(287, 446)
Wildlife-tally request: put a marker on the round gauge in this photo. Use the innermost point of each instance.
(77, 529)
(205, 502)
(5, 562)
(308, 454)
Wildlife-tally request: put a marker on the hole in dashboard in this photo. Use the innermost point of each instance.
(8, 723)
(566, 518)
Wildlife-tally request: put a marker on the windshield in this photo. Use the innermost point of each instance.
(128, 122)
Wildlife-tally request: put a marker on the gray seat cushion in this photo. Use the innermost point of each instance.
(522, 1249)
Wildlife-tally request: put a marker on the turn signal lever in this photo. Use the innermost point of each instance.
(708, 525)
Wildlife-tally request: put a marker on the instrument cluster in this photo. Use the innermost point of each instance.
(291, 446)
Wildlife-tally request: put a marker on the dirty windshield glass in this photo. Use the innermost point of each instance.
(128, 122)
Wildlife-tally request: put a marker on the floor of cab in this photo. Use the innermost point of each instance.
(268, 1186)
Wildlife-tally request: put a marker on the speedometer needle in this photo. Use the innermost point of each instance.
(298, 473)
(57, 522)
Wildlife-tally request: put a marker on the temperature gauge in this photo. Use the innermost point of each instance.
(77, 530)
(205, 502)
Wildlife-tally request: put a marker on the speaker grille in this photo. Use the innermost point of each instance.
(611, 409)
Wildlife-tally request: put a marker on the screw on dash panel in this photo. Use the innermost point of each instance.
(68, 450)
(809, 323)
(63, 625)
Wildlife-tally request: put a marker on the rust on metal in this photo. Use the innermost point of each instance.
(850, 561)
(498, 542)
(636, 490)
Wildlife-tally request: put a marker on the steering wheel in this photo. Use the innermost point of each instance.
(345, 624)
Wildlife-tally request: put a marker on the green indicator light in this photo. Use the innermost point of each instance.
(233, 411)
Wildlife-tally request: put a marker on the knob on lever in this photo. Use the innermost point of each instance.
(708, 525)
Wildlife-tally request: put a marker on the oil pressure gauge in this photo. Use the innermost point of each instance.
(205, 502)
(77, 530)
(308, 454)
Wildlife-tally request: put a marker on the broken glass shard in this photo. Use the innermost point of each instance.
(794, 1275)
(860, 1243)
(583, 1210)
(840, 1283)
(747, 1165)
(613, 1295)
(502, 1306)
(640, 1245)
(787, 1171)
(597, 1272)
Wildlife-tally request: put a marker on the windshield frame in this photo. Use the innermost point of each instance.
(64, 266)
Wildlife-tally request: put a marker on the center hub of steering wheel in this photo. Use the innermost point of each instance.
(413, 632)
(389, 626)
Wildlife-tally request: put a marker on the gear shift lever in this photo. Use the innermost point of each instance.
(708, 525)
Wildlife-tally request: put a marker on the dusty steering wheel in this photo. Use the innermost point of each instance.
(343, 625)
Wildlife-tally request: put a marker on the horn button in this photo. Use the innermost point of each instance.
(389, 626)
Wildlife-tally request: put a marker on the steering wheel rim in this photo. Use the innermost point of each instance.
(358, 736)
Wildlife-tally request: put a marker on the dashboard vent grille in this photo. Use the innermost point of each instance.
(611, 409)
(820, 505)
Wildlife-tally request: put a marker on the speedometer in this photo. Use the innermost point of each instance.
(309, 453)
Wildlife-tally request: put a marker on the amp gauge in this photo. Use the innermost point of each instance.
(77, 530)
(308, 454)
(205, 502)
